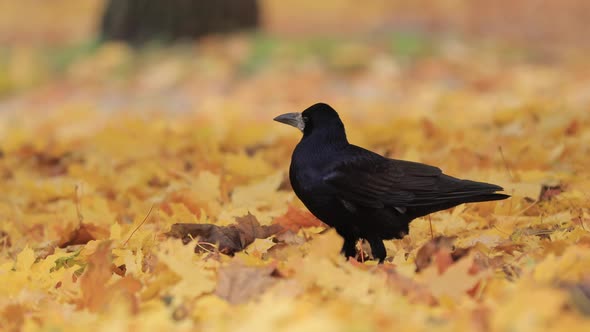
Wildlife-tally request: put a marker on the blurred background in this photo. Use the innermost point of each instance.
(63, 22)
(183, 55)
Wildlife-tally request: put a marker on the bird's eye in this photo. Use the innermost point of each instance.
(305, 119)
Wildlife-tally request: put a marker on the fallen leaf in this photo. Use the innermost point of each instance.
(295, 219)
(415, 292)
(13, 317)
(509, 247)
(94, 280)
(97, 293)
(238, 283)
(440, 250)
(230, 239)
(457, 280)
(85, 233)
(186, 275)
(549, 191)
(258, 194)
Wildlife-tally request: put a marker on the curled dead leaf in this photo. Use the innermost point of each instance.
(549, 191)
(230, 239)
(85, 233)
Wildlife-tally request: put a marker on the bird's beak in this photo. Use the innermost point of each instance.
(292, 119)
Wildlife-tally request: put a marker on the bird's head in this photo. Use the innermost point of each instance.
(318, 120)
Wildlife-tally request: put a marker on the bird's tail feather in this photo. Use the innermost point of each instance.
(443, 205)
(484, 198)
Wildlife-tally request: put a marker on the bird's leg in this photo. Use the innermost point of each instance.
(377, 248)
(350, 239)
(349, 247)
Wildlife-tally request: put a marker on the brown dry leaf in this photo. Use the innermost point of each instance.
(238, 283)
(86, 233)
(250, 228)
(510, 247)
(441, 250)
(230, 239)
(97, 293)
(550, 191)
(94, 280)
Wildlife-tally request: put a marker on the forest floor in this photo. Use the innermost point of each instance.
(103, 149)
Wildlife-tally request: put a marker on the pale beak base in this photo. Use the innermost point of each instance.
(292, 119)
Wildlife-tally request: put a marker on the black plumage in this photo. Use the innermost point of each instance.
(364, 195)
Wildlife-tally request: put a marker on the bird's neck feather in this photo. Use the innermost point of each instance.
(332, 138)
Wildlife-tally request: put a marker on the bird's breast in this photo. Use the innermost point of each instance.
(305, 179)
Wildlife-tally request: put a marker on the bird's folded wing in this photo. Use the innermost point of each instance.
(396, 183)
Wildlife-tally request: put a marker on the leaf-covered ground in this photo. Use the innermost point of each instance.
(99, 162)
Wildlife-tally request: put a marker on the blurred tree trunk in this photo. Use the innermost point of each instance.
(139, 21)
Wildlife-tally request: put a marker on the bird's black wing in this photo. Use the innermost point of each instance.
(368, 179)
